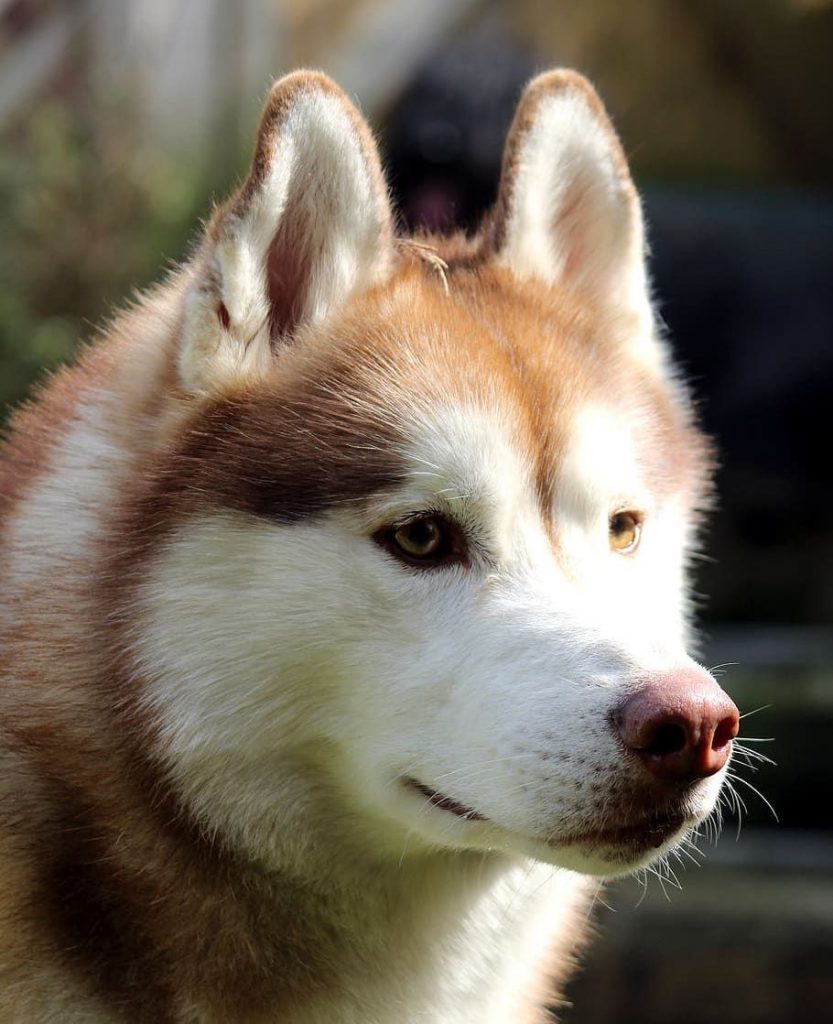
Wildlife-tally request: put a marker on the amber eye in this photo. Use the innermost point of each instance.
(624, 531)
(425, 540)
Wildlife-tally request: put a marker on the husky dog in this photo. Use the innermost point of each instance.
(343, 607)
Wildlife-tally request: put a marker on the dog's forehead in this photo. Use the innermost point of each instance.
(493, 381)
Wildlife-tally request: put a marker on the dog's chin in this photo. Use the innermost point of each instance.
(604, 849)
(621, 849)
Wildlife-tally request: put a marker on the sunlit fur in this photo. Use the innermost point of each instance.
(218, 690)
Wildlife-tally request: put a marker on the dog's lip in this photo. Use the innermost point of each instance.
(445, 803)
(648, 831)
(637, 834)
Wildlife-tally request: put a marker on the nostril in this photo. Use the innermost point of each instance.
(669, 738)
(725, 732)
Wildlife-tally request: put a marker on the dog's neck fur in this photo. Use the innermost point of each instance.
(180, 931)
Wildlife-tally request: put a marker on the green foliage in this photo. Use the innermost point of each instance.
(87, 216)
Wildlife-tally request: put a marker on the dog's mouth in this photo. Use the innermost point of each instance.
(641, 835)
(621, 841)
(445, 803)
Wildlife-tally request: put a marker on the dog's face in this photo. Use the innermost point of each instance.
(423, 567)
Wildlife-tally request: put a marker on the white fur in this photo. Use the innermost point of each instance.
(640, 599)
(60, 517)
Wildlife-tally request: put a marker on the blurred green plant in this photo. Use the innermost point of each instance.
(87, 216)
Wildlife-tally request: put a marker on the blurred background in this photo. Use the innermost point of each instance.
(122, 120)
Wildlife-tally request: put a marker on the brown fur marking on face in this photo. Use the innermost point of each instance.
(288, 448)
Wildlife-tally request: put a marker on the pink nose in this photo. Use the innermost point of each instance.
(680, 725)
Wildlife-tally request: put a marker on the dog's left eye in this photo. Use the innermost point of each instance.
(425, 540)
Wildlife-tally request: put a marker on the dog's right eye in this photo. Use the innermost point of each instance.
(625, 529)
(426, 540)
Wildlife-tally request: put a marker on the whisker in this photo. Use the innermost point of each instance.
(752, 755)
(661, 879)
(690, 849)
(482, 764)
(737, 805)
(763, 707)
(598, 899)
(642, 877)
(757, 792)
(723, 665)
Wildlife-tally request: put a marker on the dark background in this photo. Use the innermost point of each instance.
(119, 121)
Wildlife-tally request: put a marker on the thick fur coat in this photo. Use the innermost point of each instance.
(324, 570)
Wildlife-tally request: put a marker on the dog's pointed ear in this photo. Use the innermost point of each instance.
(567, 211)
(310, 226)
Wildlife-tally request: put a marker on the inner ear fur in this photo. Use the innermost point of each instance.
(310, 226)
(567, 211)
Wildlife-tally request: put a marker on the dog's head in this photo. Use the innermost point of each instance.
(421, 536)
